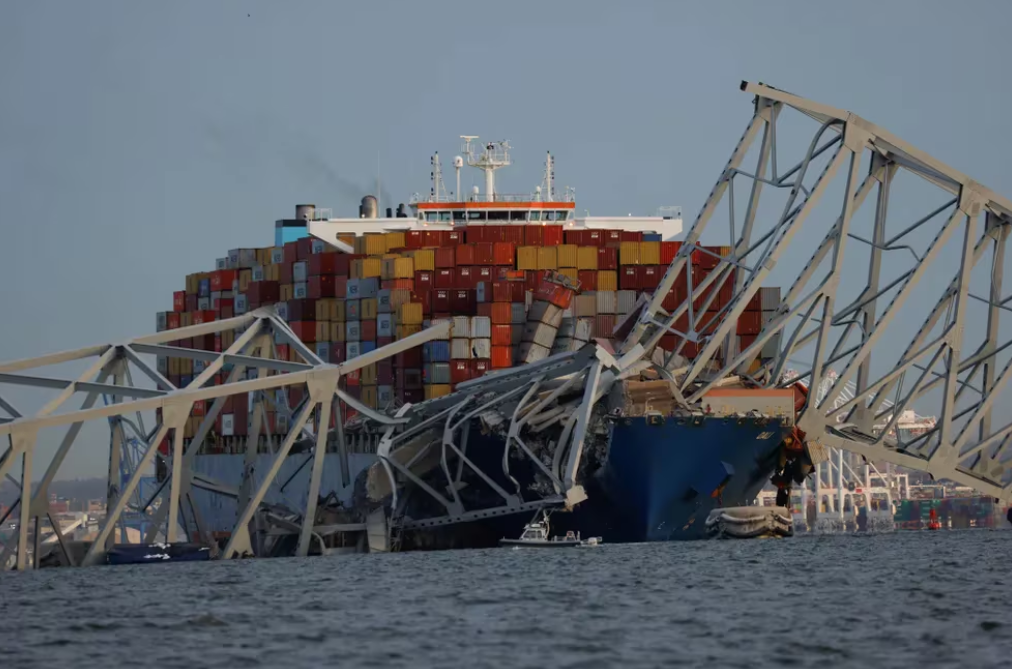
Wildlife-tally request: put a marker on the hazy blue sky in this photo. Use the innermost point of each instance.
(139, 141)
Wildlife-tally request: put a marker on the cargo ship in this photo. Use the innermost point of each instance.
(483, 260)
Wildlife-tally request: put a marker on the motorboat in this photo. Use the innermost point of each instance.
(537, 534)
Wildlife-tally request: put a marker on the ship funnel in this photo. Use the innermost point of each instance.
(369, 207)
(305, 212)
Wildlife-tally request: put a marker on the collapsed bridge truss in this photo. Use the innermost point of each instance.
(840, 309)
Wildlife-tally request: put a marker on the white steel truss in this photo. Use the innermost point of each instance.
(822, 322)
(252, 351)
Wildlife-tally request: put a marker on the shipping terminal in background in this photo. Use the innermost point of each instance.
(431, 377)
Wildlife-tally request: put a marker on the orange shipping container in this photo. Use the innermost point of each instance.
(502, 357)
(502, 313)
(502, 334)
(504, 253)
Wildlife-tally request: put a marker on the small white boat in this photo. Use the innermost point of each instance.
(537, 533)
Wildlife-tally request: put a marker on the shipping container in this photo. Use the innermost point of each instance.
(626, 301)
(650, 253)
(585, 305)
(539, 333)
(460, 349)
(604, 325)
(607, 280)
(527, 258)
(529, 353)
(504, 253)
(501, 335)
(629, 278)
(547, 257)
(502, 357)
(607, 302)
(518, 312)
(481, 327)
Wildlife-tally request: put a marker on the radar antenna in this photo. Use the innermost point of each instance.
(494, 156)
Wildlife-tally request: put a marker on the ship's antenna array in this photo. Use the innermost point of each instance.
(494, 156)
(549, 180)
(438, 190)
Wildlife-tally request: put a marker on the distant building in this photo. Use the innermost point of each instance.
(96, 506)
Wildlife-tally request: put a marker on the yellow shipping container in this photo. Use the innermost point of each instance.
(586, 257)
(370, 396)
(568, 255)
(287, 292)
(348, 238)
(548, 257)
(185, 319)
(367, 375)
(408, 330)
(371, 267)
(650, 253)
(607, 279)
(394, 240)
(337, 331)
(629, 254)
(570, 272)
(245, 277)
(355, 269)
(410, 314)
(369, 308)
(375, 244)
(323, 314)
(272, 272)
(527, 257)
(360, 245)
(337, 311)
(425, 260)
(437, 390)
(404, 268)
(322, 331)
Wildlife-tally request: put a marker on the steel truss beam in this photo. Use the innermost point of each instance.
(963, 447)
(253, 349)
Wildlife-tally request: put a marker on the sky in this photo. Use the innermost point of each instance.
(140, 141)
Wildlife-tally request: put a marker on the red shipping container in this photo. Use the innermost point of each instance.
(452, 238)
(286, 274)
(575, 237)
(467, 278)
(319, 287)
(514, 234)
(423, 297)
(304, 247)
(423, 280)
(593, 238)
(502, 357)
(408, 378)
(588, 279)
(504, 253)
(604, 324)
(338, 351)
(440, 301)
(484, 253)
(612, 240)
(304, 330)
(192, 301)
(463, 302)
(445, 278)
(534, 235)
(413, 239)
(290, 252)
(746, 341)
(204, 316)
(303, 309)
(552, 235)
(480, 367)
(690, 350)
(446, 257)
(179, 301)
(226, 308)
(283, 351)
(474, 233)
(411, 395)
(385, 372)
(631, 236)
(329, 262)
(650, 276)
(607, 259)
(672, 300)
(532, 279)
(383, 341)
(502, 313)
(518, 291)
(431, 238)
(353, 379)
(483, 309)
(750, 323)
(668, 251)
(629, 278)
(460, 371)
(398, 284)
(203, 342)
(502, 334)
(465, 255)
(555, 293)
(668, 342)
(295, 395)
(368, 330)
(411, 358)
(173, 320)
(501, 291)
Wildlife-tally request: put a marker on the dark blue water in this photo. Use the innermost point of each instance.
(902, 600)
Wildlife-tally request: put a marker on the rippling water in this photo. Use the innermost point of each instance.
(898, 600)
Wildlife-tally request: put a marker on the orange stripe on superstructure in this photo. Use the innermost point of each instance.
(426, 206)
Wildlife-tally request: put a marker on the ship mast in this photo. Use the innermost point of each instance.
(495, 156)
(438, 190)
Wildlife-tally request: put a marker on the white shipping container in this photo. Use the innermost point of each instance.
(281, 423)
(247, 258)
(460, 349)
(481, 327)
(768, 316)
(227, 425)
(540, 333)
(384, 395)
(353, 310)
(545, 312)
(482, 292)
(563, 345)
(163, 365)
(199, 366)
(771, 347)
(282, 310)
(161, 321)
(277, 255)
(518, 312)
(204, 303)
(607, 302)
(300, 291)
(221, 263)
(383, 301)
(528, 299)
(300, 272)
(258, 273)
(437, 372)
(385, 325)
(319, 246)
(626, 301)
(769, 297)
(241, 304)
(233, 258)
(584, 329)
(323, 350)
(530, 353)
(567, 328)
(352, 332)
(462, 327)
(353, 349)
(481, 348)
(438, 321)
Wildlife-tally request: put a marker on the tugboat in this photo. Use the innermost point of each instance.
(536, 534)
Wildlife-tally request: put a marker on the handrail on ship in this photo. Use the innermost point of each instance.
(484, 197)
